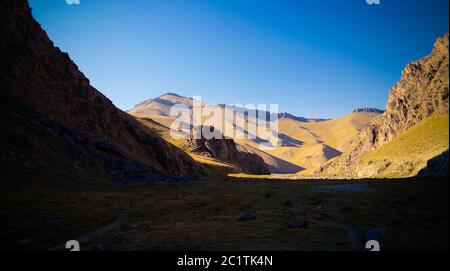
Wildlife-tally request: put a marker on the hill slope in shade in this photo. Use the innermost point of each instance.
(275, 164)
(422, 91)
(39, 76)
(438, 166)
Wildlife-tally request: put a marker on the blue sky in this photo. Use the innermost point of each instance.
(313, 58)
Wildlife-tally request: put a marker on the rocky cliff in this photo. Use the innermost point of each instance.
(423, 90)
(37, 75)
(227, 150)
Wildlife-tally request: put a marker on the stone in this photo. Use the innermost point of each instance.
(247, 217)
(298, 225)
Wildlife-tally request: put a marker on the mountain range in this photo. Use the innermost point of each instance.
(363, 143)
(369, 142)
(302, 143)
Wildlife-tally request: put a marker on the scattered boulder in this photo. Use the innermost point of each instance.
(54, 221)
(25, 242)
(146, 227)
(124, 228)
(247, 217)
(298, 225)
(346, 206)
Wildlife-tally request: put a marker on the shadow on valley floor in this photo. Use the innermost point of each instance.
(225, 213)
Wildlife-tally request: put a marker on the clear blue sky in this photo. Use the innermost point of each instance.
(314, 58)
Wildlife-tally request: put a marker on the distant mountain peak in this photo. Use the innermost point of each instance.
(286, 115)
(171, 94)
(368, 110)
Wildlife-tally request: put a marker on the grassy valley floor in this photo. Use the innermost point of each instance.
(205, 215)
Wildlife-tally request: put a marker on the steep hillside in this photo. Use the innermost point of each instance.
(339, 133)
(318, 141)
(421, 92)
(409, 152)
(276, 165)
(310, 157)
(36, 74)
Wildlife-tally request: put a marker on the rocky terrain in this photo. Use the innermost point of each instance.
(226, 150)
(38, 76)
(422, 91)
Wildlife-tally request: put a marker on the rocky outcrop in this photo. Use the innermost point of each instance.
(226, 150)
(437, 166)
(368, 110)
(39, 76)
(422, 90)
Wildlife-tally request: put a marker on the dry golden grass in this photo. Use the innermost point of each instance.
(321, 140)
(215, 166)
(297, 130)
(410, 151)
(308, 157)
(337, 133)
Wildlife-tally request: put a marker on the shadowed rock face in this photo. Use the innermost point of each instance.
(422, 90)
(227, 151)
(39, 76)
(437, 166)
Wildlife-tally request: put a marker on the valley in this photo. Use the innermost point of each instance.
(76, 167)
(206, 215)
